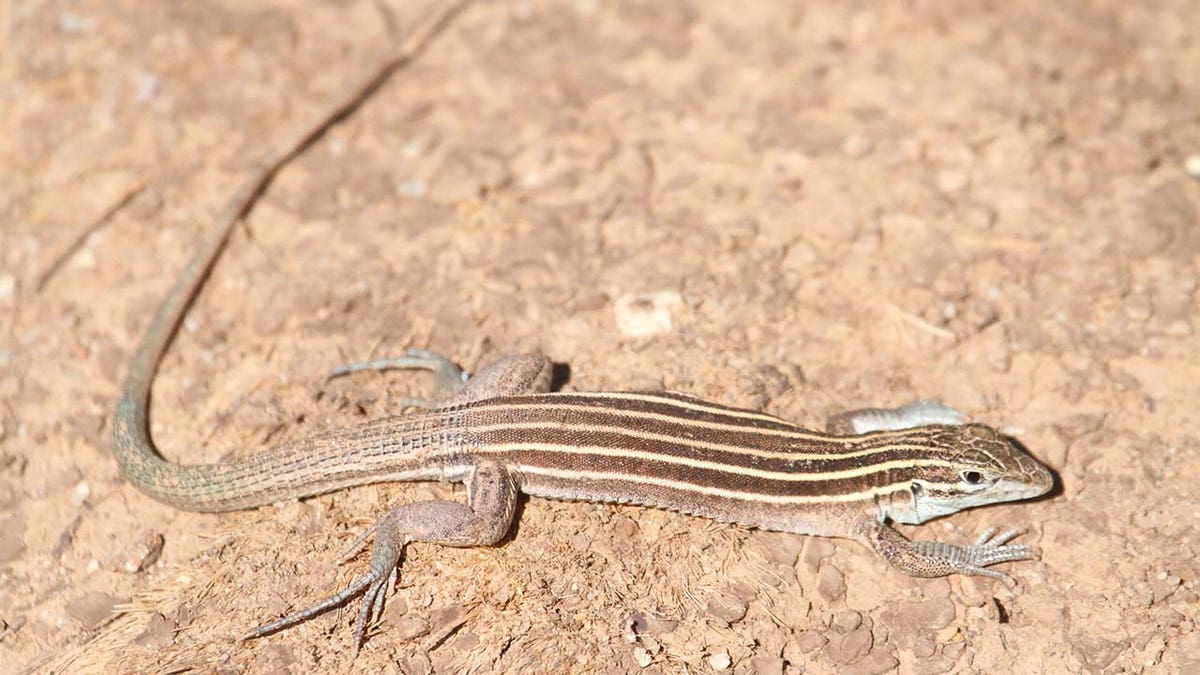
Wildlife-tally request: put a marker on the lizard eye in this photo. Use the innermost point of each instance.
(972, 477)
(916, 489)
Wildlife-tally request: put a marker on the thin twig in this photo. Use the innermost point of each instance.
(77, 243)
(420, 38)
(918, 322)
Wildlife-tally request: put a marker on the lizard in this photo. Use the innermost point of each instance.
(503, 432)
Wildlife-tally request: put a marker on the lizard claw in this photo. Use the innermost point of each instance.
(382, 575)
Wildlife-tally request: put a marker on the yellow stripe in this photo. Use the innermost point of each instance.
(483, 429)
(795, 432)
(651, 456)
(577, 478)
(682, 400)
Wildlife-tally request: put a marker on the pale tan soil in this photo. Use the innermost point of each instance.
(837, 205)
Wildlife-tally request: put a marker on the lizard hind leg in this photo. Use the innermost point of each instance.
(448, 376)
(492, 496)
(507, 376)
(511, 375)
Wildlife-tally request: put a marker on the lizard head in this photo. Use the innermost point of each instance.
(965, 466)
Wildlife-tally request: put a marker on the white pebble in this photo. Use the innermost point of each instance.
(8, 288)
(413, 187)
(1192, 166)
(645, 314)
(80, 493)
(720, 661)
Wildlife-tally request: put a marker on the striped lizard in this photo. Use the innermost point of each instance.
(502, 432)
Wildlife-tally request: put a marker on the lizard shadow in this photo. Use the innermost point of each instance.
(560, 374)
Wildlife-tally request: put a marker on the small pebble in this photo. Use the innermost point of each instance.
(8, 288)
(1192, 166)
(719, 661)
(92, 609)
(832, 584)
(646, 314)
(413, 187)
(80, 493)
(726, 607)
(767, 665)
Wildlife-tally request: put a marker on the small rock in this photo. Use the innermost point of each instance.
(743, 592)
(443, 621)
(465, 641)
(184, 616)
(832, 584)
(781, 548)
(719, 661)
(624, 533)
(160, 632)
(642, 657)
(649, 623)
(93, 609)
(1192, 166)
(766, 665)
(581, 541)
(850, 647)
(726, 607)
(947, 661)
(646, 314)
(1142, 592)
(923, 646)
(934, 614)
(1187, 596)
(881, 633)
(818, 549)
(808, 641)
(1163, 586)
(875, 663)
(408, 628)
(80, 493)
(844, 622)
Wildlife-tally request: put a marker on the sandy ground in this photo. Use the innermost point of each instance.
(802, 209)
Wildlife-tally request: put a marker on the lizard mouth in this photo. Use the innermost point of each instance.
(1030, 486)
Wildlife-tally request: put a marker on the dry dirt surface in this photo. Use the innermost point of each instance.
(796, 207)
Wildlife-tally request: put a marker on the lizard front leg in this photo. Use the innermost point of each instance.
(936, 559)
(926, 558)
(491, 500)
(907, 416)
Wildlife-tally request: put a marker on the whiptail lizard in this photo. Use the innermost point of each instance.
(502, 433)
